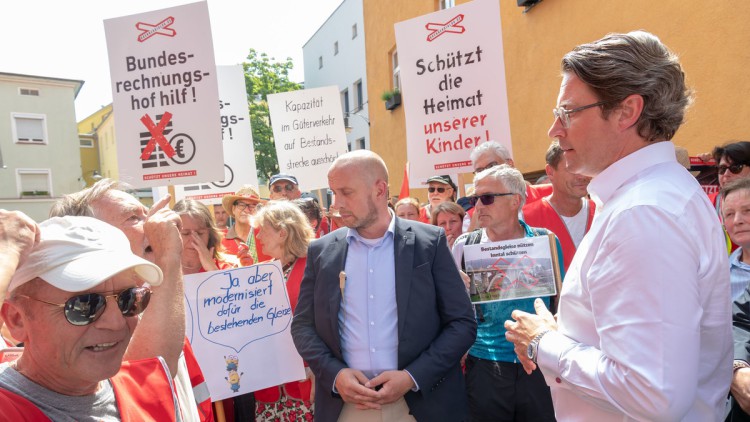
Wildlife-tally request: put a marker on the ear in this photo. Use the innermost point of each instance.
(549, 170)
(630, 111)
(381, 188)
(15, 320)
(510, 162)
(283, 233)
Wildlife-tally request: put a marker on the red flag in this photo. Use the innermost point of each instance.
(405, 183)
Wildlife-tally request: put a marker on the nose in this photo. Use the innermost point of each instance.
(112, 318)
(556, 130)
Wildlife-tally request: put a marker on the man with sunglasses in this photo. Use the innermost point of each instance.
(643, 330)
(439, 189)
(74, 301)
(154, 234)
(284, 186)
(498, 387)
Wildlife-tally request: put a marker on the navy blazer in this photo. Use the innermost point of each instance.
(436, 324)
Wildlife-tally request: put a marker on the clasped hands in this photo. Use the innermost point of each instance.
(525, 328)
(354, 387)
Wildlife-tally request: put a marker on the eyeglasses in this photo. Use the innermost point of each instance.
(734, 168)
(287, 187)
(564, 114)
(244, 206)
(85, 309)
(432, 189)
(486, 198)
(488, 166)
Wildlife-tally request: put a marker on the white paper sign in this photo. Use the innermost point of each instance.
(453, 80)
(239, 324)
(511, 269)
(237, 136)
(165, 97)
(308, 129)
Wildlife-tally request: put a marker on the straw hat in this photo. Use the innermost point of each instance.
(246, 192)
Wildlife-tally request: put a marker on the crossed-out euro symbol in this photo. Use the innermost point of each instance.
(157, 136)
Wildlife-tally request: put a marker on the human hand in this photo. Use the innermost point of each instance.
(350, 384)
(525, 328)
(311, 377)
(474, 222)
(706, 157)
(243, 254)
(162, 229)
(205, 255)
(18, 235)
(740, 388)
(466, 279)
(393, 385)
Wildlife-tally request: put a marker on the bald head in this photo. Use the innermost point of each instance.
(365, 164)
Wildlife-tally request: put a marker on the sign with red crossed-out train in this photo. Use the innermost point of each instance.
(165, 97)
(453, 86)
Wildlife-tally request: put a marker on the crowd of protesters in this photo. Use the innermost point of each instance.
(652, 321)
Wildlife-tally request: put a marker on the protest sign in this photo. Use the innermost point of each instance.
(237, 137)
(239, 324)
(453, 82)
(513, 269)
(165, 97)
(308, 130)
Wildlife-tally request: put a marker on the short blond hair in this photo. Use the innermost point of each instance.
(284, 215)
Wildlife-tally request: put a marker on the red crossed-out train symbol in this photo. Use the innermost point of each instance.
(157, 136)
(162, 28)
(439, 29)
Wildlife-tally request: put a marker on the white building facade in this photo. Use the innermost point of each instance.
(39, 144)
(335, 55)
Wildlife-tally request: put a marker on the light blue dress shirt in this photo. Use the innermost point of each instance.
(368, 321)
(739, 274)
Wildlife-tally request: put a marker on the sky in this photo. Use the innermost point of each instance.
(65, 39)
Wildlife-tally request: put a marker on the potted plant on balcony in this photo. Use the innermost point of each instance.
(392, 99)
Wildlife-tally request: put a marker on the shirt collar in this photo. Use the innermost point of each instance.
(606, 183)
(353, 234)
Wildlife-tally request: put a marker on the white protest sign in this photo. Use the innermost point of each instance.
(512, 269)
(308, 130)
(165, 97)
(239, 325)
(453, 79)
(239, 154)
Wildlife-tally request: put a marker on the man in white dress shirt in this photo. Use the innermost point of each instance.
(643, 329)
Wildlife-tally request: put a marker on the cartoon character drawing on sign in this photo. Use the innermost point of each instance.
(234, 380)
(232, 362)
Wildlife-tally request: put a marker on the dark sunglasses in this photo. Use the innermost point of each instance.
(734, 168)
(487, 198)
(278, 188)
(87, 308)
(440, 190)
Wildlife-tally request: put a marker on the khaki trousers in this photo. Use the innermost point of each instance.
(397, 411)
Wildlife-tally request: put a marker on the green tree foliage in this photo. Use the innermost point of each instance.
(263, 76)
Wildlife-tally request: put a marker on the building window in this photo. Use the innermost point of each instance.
(396, 71)
(354, 31)
(86, 142)
(361, 143)
(34, 183)
(29, 128)
(349, 145)
(446, 4)
(320, 62)
(358, 93)
(335, 48)
(28, 91)
(345, 100)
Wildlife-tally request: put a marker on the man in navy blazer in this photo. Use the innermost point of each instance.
(425, 326)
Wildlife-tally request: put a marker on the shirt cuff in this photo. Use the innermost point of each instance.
(549, 350)
(333, 388)
(416, 386)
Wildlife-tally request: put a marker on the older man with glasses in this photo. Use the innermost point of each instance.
(75, 337)
(284, 186)
(498, 387)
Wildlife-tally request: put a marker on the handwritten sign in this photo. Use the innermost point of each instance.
(453, 79)
(513, 269)
(237, 137)
(240, 329)
(308, 129)
(165, 96)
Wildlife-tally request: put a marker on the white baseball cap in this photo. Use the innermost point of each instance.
(79, 253)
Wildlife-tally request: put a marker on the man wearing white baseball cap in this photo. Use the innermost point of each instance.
(74, 336)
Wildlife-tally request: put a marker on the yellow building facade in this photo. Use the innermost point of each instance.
(88, 133)
(711, 39)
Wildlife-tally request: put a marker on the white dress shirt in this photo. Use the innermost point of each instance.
(644, 321)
